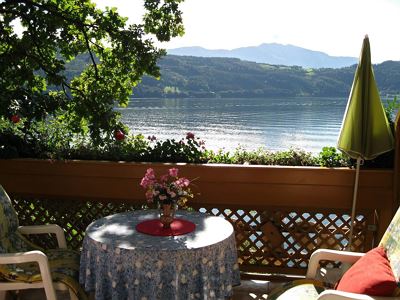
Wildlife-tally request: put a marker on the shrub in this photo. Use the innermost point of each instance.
(189, 150)
(329, 157)
(294, 157)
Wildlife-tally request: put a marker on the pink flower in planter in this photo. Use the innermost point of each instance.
(190, 136)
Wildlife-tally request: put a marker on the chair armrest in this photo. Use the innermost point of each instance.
(23, 257)
(334, 255)
(339, 295)
(42, 229)
(33, 256)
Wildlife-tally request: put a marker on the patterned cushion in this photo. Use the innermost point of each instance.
(391, 242)
(64, 261)
(304, 289)
(8, 216)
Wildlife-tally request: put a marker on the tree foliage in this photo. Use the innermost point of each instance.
(33, 84)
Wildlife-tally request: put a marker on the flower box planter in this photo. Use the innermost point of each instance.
(310, 187)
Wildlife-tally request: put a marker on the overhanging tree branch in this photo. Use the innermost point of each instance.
(90, 53)
(72, 28)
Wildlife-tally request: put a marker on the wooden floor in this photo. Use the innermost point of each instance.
(248, 290)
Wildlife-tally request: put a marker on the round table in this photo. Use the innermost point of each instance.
(118, 262)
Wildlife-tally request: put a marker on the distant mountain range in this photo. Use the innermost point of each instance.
(274, 54)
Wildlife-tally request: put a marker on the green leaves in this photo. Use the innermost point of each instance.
(163, 19)
(330, 157)
(55, 32)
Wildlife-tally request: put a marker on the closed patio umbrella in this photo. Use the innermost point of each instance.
(365, 131)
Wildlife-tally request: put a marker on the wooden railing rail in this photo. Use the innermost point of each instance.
(280, 214)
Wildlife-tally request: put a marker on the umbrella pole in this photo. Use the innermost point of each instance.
(353, 209)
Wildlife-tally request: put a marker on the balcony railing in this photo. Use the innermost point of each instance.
(280, 214)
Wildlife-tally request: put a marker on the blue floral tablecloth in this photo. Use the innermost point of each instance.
(117, 262)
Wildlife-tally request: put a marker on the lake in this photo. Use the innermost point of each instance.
(273, 123)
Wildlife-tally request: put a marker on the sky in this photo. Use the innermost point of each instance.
(336, 27)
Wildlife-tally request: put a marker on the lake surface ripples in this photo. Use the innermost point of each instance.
(276, 124)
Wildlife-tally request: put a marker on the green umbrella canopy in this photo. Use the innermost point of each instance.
(365, 131)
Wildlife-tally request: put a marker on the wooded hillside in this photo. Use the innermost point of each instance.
(188, 76)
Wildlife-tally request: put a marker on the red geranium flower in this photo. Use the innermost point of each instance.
(15, 119)
(119, 135)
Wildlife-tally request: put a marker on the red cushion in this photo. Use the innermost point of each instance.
(370, 275)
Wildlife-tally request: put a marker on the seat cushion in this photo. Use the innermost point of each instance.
(304, 289)
(64, 261)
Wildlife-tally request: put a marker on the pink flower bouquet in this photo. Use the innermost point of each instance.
(168, 189)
